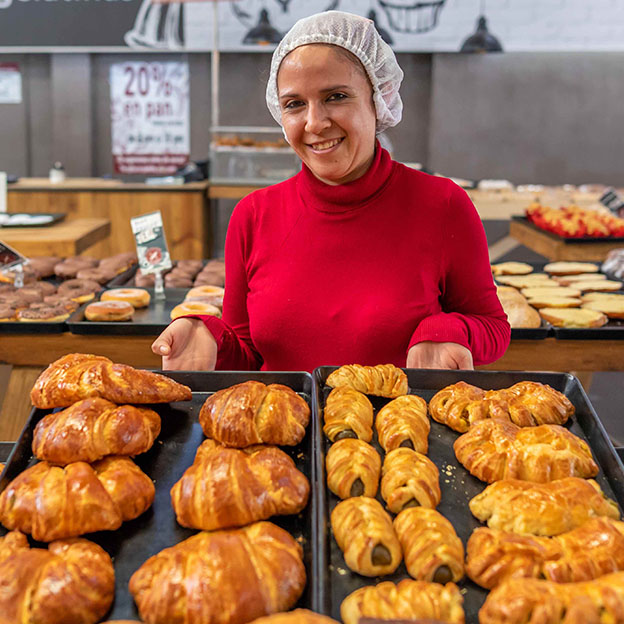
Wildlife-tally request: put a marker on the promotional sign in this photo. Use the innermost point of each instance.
(10, 84)
(9, 257)
(150, 118)
(151, 245)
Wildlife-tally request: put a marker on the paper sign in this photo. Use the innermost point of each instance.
(151, 245)
(10, 84)
(9, 257)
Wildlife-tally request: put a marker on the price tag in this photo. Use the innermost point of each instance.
(151, 245)
(11, 259)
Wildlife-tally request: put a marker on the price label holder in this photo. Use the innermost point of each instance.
(12, 259)
(613, 201)
(152, 249)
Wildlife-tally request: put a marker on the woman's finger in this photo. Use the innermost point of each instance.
(162, 344)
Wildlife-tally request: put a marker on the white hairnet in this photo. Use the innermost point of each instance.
(357, 35)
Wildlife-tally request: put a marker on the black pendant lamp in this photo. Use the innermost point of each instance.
(263, 32)
(383, 33)
(482, 40)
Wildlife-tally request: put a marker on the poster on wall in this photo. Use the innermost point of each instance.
(150, 116)
(10, 83)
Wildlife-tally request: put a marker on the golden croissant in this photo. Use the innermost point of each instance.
(298, 616)
(52, 503)
(80, 376)
(348, 414)
(353, 468)
(403, 422)
(228, 487)
(93, 428)
(541, 508)
(254, 413)
(385, 380)
(492, 450)
(591, 550)
(221, 577)
(70, 581)
(408, 600)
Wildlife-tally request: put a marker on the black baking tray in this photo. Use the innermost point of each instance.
(174, 451)
(458, 486)
(569, 239)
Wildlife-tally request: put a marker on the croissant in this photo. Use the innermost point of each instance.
(79, 376)
(254, 413)
(93, 428)
(403, 422)
(348, 414)
(384, 380)
(54, 503)
(353, 469)
(541, 508)
(298, 616)
(587, 552)
(223, 577)
(70, 581)
(364, 533)
(227, 487)
(408, 600)
(492, 450)
(532, 601)
(431, 548)
(409, 479)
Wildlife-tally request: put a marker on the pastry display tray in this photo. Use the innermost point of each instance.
(569, 239)
(457, 485)
(165, 463)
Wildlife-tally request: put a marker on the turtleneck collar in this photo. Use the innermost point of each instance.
(350, 196)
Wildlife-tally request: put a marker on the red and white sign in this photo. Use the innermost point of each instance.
(10, 83)
(150, 119)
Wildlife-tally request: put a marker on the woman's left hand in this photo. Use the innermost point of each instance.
(439, 355)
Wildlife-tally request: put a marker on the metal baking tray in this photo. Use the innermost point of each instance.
(569, 239)
(174, 451)
(458, 486)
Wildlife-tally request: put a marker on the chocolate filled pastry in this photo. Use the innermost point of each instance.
(492, 450)
(541, 508)
(409, 479)
(403, 423)
(450, 405)
(221, 577)
(591, 550)
(348, 414)
(353, 469)
(52, 503)
(431, 548)
(229, 487)
(364, 533)
(70, 581)
(408, 600)
(254, 413)
(385, 380)
(298, 616)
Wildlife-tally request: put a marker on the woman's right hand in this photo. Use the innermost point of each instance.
(186, 344)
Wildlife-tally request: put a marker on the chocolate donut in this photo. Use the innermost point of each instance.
(99, 275)
(45, 288)
(31, 295)
(13, 299)
(79, 289)
(7, 312)
(43, 266)
(62, 301)
(43, 312)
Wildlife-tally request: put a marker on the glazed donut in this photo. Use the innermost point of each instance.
(205, 291)
(188, 308)
(215, 300)
(13, 299)
(59, 300)
(136, 297)
(31, 295)
(69, 268)
(177, 281)
(109, 311)
(43, 266)
(99, 275)
(43, 312)
(79, 290)
(7, 313)
(45, 288)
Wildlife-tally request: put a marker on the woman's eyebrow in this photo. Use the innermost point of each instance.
(283, 96)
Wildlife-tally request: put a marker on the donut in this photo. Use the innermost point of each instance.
(215, 300)
(195, 307)
(31, 295)
(99, 275)
(205, 291)
(43, 266)
(59, 300)
(213, 278)
(79, 290)
(144, 279)
(43, 312)
(45, 288)
(13, 299)
(136, 297)
(177, 282)
(194, 266)
(7, 313)
(109, 311)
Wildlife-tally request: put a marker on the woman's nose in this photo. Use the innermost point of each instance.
(317, 119)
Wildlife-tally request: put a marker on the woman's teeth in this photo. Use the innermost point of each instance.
(326, 145)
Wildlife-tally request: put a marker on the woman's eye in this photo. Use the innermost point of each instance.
(292, 104)
(336, 97)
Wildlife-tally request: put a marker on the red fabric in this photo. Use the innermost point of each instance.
(357, 273)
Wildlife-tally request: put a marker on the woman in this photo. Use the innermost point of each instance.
(356, 259)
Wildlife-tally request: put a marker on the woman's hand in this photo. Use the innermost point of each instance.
(186, 344)
(429, 354)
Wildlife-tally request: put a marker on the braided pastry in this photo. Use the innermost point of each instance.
(254, 413)
(450, 405)
(403, 422)
(408, 600)
(364, 533)
(298, 616)
(431, 548)
(353, 469)
(348, 414)
(541, 508)
(545, 405)
(492, 450)
(384, 380)
(409, 479)
(227, 487)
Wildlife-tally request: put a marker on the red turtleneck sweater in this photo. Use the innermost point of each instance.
(356, 273)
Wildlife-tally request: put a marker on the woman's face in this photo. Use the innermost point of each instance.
(327, 112)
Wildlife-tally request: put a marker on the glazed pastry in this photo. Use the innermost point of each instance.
(541, 508)
(431, 548)
(403, 423)
(298, 616)
(593, 549)
(492, 450)
(254, 413)
(93, 428)
(409, 479)
(364, 533)
(450, 405)
(408, 600)
(545, 405)
(79, 376)
(70, 581)
(242, 574)
(55, 503)
(384, 380)
(228, 487)
(348, 414)
(353, 469)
